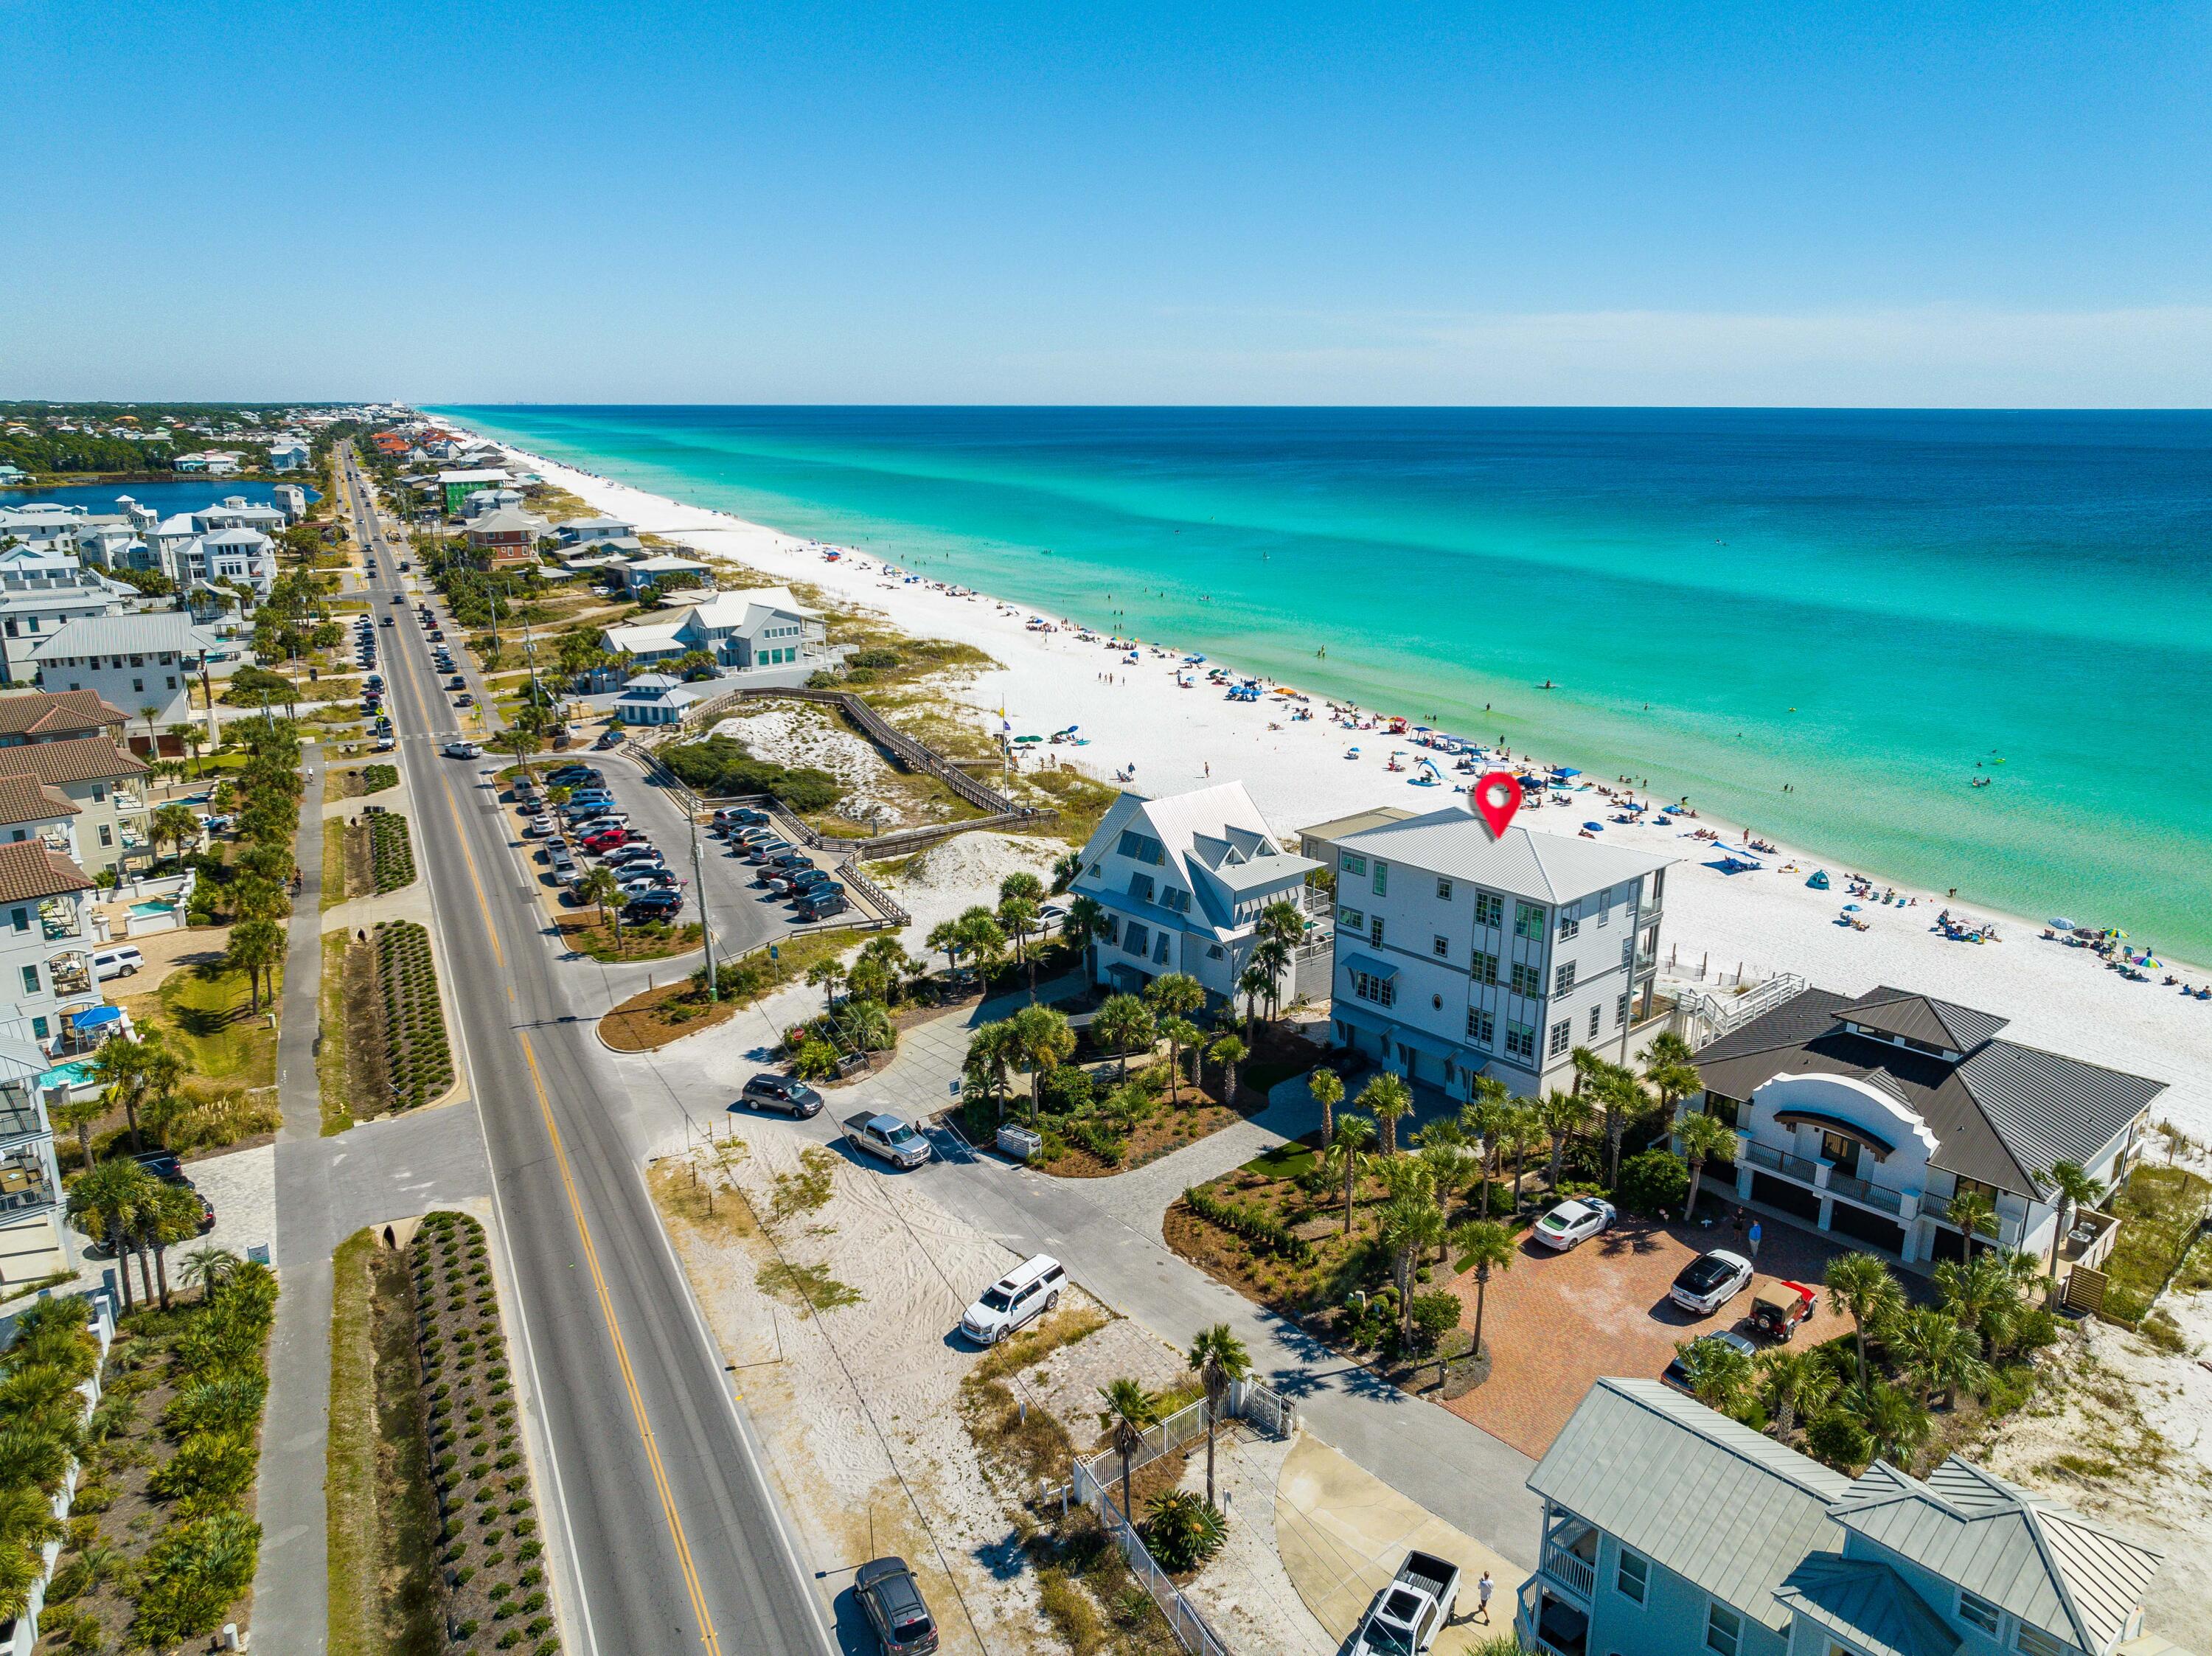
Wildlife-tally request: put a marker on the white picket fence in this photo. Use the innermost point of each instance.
(1096, 1485)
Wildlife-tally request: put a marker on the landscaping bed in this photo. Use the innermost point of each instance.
(418, 1064)
(491, 1557)
(653, 1017)
(390, 853)
(362, 779)
(658, 941)
(1093, 1127)
(161, 1542)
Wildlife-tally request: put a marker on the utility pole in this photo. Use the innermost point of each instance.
(699, 885)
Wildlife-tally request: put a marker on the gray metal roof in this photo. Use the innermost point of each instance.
(1720, 1504)
(1868, 1604)
(1550, 868)
(147, 632)
(2075, 1580)
(2049, 1107)
(1923, 1018)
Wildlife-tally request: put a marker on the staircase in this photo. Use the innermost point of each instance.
(1708, 1016)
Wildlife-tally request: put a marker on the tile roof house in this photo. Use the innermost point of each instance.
(102, 782)
(1669, 1528)
(48, 716)
(1867, 1114)
(1183, 880)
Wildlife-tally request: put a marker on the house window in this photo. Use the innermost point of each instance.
(1723, 1629)
(1381, 879)
(30, 979)
(107, 834)
(1593, 1023)
(1160, 948)
(1520, 1040)
(1483, 968)
(1634, 1576)
(172, 681)
(1562, 980)
(1527, 979)
(1481, 1026)
(39, 1028)
(1140, 847)
(1569, 923)
(1441, 948)
(1620, 1013)
(1527, 921)
(2035, 1641)
(20, 919)
(1138, 939)
(1977, 1611)
(1443, 891)
(1562, 1033)
(1374, 930)
(1604, 905)
(98, 792)
(1351, 919)
(1383, 991)
(1354, 864)
(1176, 899)
(1627, 953)
(1489, 908)
(1140, 886)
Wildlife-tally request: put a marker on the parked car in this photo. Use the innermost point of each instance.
(807, 880)
(641, 851)
(612, 738)
(463, 750)
(742, 816)
(1022, 1294)
(538, 827)
(1709, 1282)
(762, 851)
(822, 902)
(769, 1091)
(1777, 1309)
(647, 879)
(569, 775)
(1407, 1615)
(605, 840)
(1678, 1371)
(122, 962)
(165, 1166)
(894, 1140)
(653, 905)
(891, 1599)
(1574, 1221)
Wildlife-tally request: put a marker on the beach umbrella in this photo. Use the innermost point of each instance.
(1851, 908)
(2060, 923)
(1594, 828)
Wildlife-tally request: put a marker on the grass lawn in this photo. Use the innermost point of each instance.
(332, 1066)
(210, 1019)
(382, 1522)
(1291, 1161)
(2160, 1207)
(334, 891)
(588, 935)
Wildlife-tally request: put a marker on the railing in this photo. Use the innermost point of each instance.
(1781, 1161)
(24, 1186)
(1868, 1194)
(1191, 1629)
(1723, 1013)
(1572, 1571)
(2007, 1231)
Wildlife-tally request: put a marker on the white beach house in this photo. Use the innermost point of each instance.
(762, 627)
(1460, 955)
(1183, 881)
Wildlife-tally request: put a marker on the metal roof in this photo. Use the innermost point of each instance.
(2075, 1580)
(1868, 1604)
(1552, 867)
(1727, 1509)
(147, 632)
(1923, 1018)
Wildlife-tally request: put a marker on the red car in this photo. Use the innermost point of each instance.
(607, 840)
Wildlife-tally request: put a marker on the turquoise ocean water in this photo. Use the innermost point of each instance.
(1864, 605)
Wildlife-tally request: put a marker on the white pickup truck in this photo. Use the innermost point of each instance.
(888, 1138)
(1408, 1614)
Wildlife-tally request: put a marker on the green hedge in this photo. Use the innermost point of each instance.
(721, 765)
(1257, 1229)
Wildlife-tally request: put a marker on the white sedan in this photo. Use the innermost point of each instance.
(1573, 1222)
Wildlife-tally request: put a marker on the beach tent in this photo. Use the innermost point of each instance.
(1565, 770)
(1820, 880)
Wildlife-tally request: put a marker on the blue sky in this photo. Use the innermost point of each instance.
(1909, 204)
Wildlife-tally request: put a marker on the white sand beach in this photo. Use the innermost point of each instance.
(1760, 924)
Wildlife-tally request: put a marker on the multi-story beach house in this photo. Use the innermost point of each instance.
(505, 536)
(457, 485)
(30, 716)
(288, 454)
(1669, 1530)
(1868, 1115)
(41, 592)
(33, 1240)
(106, 784)
(587, 531)
(1183, 881)
(1460, 955)
(762, 628)
(132, 662)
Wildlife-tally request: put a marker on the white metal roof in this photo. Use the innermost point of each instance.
(1550, 867)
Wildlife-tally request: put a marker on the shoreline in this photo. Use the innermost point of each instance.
(1298, 774)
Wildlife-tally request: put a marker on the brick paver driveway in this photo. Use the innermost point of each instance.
(1557, 1321)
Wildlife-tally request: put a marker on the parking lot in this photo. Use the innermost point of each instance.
(1556, 1322)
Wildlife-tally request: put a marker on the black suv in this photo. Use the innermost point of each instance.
(773, 1092)
(892, 1601)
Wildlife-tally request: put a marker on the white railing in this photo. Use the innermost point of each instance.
(1720, 1014)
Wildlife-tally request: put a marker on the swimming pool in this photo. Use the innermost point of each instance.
(153, 908)
(71, 1076)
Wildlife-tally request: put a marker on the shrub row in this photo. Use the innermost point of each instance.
(1257, 1229)
(374, 778)
(490, 1559)
(416, 1057)
(392, 853)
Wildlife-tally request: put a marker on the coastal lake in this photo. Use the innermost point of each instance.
(1874, 611)
(166, 498)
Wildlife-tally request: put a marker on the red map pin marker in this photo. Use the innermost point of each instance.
(1497, 796)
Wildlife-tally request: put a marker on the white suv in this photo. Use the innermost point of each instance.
(1028, 1291)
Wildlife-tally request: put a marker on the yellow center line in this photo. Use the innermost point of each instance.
(592, 1261)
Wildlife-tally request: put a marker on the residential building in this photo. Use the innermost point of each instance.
(489, 499)
(34, 1242)
(44, 716)
(1322, 841)
(40, 591)
(505, 535)
(46, 939)
(646, 569)
(292, 500)
(654, 699)
(245, 556)
(289, 454)
(106, 784)
(1183, 881)
(1868, 1115)
(132, 661)
(1460, 955)
(236, 511)
(763, 627)
(30, 809)
(456, 486)
(214, 463)
(584, 531)
(1669, 1530)
(53, 528)
(11, 475)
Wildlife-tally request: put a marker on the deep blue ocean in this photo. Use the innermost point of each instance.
(1874, 608)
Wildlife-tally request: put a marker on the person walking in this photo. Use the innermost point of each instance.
(1483, 1589)
(1754, 1242)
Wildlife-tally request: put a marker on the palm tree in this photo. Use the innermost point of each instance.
(188, 736)
(1347, 1154)
(256, 946)
(1412, 1224)
(826, 975)
(2076, 1190)
(1718, 1371)
(1386, 1098)
(1130, 1409)
(1041, 1037)
(1175, 995)
(1121, 1024)
(1524, 1131)
(1017, 917)
(1327, 1087)
(1981, 1292)
(1793, 1386)
(148, 713)
(108, 1202)
(76, 1116)
(1180, 1033)
(1022, 884)
(1219, 1360)
(1482, 1246)
(1620, 1095)
(172, 825)
(980, 940)
(1252, 984)
(1938, 1355)
(1228, 1052)
(1897, 1425)
(1703, 1139)
(1564, 1115)
(161, 1071)
(173, 1216)
(118, 1066)
(1086, 919)
(990, 1057)
(1861, 1288)
(1484, 1117)
(1674, 1081)
(1975, 1215)
(1271, 958)
(1668, 1048)
(208, 1268)
(600, 888)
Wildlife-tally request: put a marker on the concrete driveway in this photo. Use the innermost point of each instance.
(1556, 1322)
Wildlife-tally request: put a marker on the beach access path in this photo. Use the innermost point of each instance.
(1764, 923)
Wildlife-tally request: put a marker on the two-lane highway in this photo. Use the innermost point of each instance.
(655, 1483)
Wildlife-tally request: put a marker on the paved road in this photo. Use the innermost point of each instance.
(670, 1532)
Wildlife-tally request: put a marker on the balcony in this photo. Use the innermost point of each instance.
(24, 1186)
(2008, 1225)
(1789, 1167)
(1550, 1624)
(20, 1115)
(1577, 1574)
(1856, 1189)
